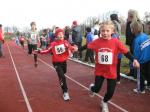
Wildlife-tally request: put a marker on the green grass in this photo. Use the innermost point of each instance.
(124, 61)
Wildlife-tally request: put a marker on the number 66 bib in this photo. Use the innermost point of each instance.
(59, 49)
(105, 58)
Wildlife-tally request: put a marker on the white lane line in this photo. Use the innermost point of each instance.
(91, 65)
(20, 83)
(78, 83)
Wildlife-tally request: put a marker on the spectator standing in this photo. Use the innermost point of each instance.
(77, 39)
(89, 52)
(132, 16)
(141, 48)
(117, 33)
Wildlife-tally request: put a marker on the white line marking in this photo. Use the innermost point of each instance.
(91, 65)
(115, 105)
(20, 83)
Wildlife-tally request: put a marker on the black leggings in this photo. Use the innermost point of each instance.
(32, 47)
(111, 84)
(144, 75)
(61, 68)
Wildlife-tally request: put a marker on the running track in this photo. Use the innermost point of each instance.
(24, 88)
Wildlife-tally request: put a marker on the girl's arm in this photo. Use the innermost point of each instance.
(45, 51)
(73, 48)
(131, 58)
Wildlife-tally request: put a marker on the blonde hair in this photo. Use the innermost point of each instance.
(137, 26)
(107, 23)
(134, 15)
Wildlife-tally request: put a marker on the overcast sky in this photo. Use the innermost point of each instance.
(62, 12)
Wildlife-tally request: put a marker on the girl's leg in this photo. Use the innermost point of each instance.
(29, 49)
(98, 84)
(111, 84)
(64, 66)
(1, 54)
(61, 76)
(35, 55)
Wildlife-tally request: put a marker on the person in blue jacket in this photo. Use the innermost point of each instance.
(89, 52)
(141, 46)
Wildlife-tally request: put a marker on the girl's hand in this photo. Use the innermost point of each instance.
(38, 50)
(136, 63)
(75, 48)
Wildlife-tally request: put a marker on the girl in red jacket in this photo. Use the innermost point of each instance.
(60, 50)
(107, 49)
(1, 40)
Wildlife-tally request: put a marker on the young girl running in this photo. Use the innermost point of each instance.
(107, 49)
(60, 49)
(33, 41)
(21, 40)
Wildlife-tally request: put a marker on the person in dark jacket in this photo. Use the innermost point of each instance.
(117, 33)
(132, 16)
(77, 39)
(148, 27)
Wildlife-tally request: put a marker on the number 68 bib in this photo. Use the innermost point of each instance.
(59, 49)
(105, 58)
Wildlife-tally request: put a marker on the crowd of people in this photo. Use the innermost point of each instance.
(103, 48)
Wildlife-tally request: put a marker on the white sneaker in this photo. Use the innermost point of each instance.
(104, 106)
(66, 96)
(92, 94)
(138, 91)
(118, 82)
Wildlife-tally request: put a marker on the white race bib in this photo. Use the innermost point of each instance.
(33, 36)
(59, 49)
(105, 58)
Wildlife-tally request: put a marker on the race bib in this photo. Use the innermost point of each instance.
(59, 49)
(105, 58)
(33, 37)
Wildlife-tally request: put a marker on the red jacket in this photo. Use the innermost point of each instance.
(1, 36)
(60, 50)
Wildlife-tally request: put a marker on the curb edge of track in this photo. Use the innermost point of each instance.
(91, 65)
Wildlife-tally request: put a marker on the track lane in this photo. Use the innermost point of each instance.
(11, 99)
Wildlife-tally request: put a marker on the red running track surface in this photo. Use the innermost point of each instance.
(24, 88)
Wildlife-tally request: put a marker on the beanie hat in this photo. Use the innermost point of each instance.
(114, 17)
(58, 30)
(74, 23)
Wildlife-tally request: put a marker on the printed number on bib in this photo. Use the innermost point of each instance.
(59, 49)
(105, 58)
(33, 36)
